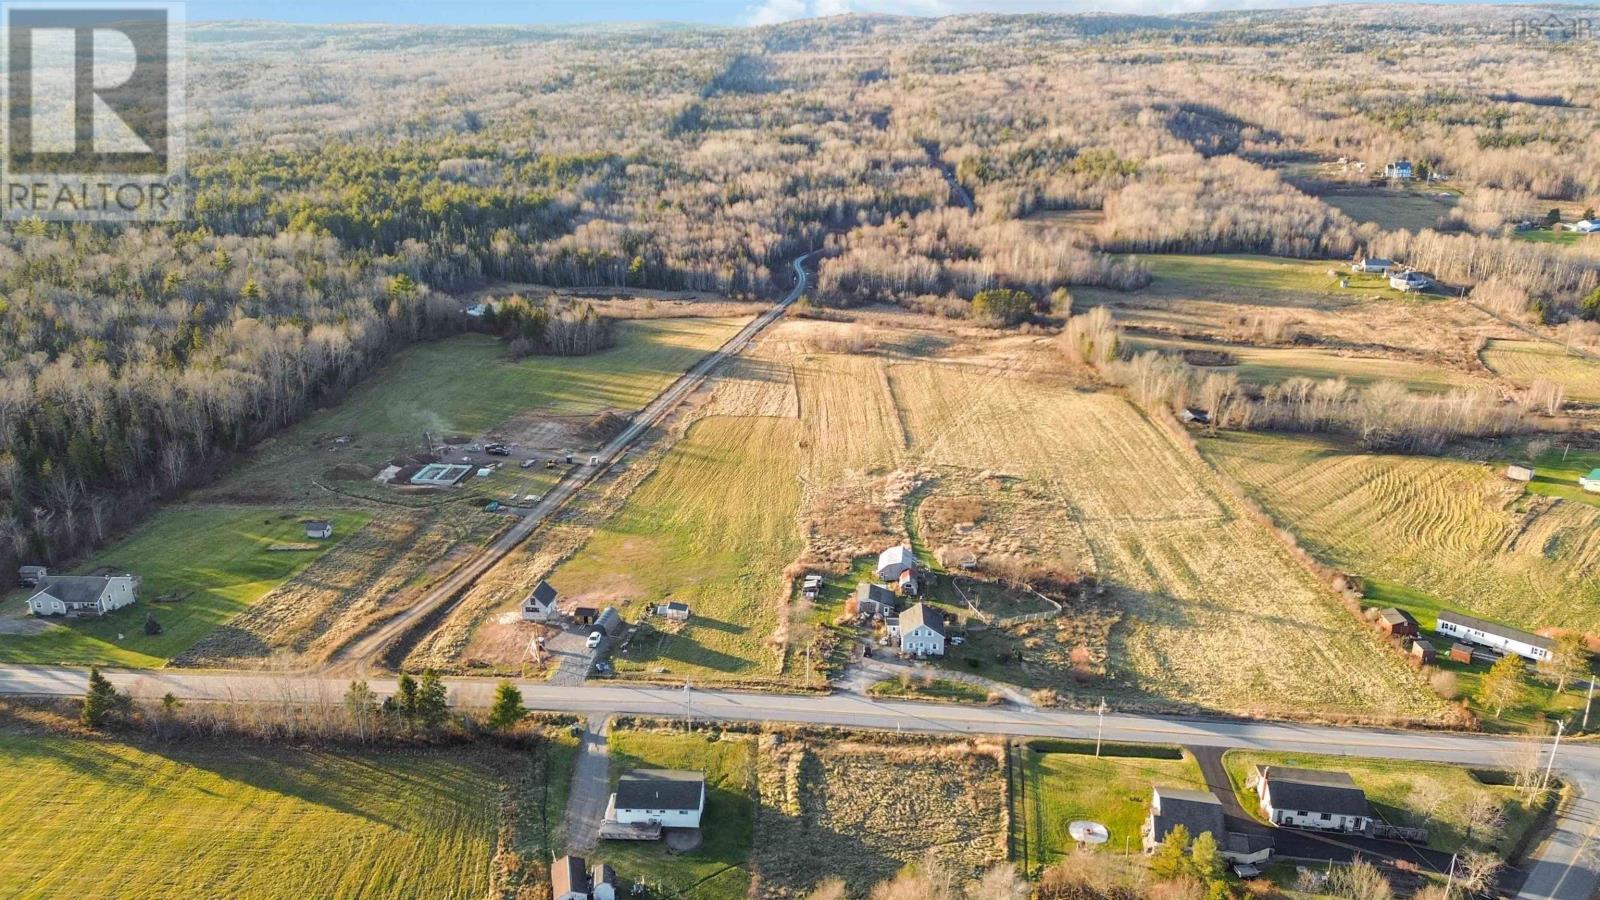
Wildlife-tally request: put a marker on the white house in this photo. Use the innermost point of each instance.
(83, 595)
(1472, 630)
(540, 606)
(1587, 226)
(1400, 169)
(1409, 281)
(922, 630)
(895, 560)
(1197, 812)
(319, 529)
(1373, 265)
(671, 798)
(1306, 798)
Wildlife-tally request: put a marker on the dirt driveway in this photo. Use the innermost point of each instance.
(591, 787)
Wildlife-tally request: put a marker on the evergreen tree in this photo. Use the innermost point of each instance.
(1168, 860)
(507, 709)
(102, 701)
(431, 704)
(405, 698)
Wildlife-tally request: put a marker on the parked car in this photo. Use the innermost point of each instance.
(595, 637)
(594, 460)
(528, 463)
(497, 450)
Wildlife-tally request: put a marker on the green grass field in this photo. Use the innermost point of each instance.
(1268, 280)
(214, 558)
(1422, 795)
(942, 689)
(714, 527)
(1064, 781)
(721, 867)
(100, 819)
(1269, 365)
(467, 384)
(1556, 473)
(1546, 236)
(1391, 209)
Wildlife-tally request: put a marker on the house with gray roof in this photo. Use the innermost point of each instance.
(1198, 812)
(569, 879)
(893, 561)
(540, 604)
(1474, 630)
(76, 596)
(1308, 798)
(670, 798)
(874, 599)
(922, 630)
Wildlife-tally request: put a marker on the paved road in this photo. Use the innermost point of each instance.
(1565, 866)
(359, 654)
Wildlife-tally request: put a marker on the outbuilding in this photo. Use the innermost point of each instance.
(1591, 481)
(585, 615)
(1373, 265)
(1519, 472)
(675, 610)
(30, 576)
(569, 879)
(1461, 653)
(1397, 622)
(319, 529)
(610, 621)
(1423, 650)
(873, 599)
(893, 561)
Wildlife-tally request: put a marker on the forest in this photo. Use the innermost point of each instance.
(350, 185)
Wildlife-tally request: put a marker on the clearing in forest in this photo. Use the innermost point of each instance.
(1457, 530)
(201, 566)
(1270, 365)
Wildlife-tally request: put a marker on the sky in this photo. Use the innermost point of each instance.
(716, 12)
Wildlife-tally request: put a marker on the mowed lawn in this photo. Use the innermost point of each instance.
(714, 527)
(1420, 795)
(467, 384)
(101, 819)
(212, 559)
(721, 867)
(1523, 362)
(1063, 781)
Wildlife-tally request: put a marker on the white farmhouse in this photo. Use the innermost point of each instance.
(1587, 226)
(1373, 265)
(670, 798)
(1407, 282)
(922, 630)
(1306, 798)
(540, 606)
(83, 595)
(895, 560)
(1472, 630)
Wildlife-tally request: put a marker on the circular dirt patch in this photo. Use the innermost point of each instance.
(683, 840)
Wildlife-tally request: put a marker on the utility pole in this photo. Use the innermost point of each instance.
(1561, 726)
(1100, 729)
(688, 707)
(1587, 703)
(1450, 881)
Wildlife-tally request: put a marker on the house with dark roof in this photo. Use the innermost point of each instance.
(922, 630)
(1197, 812)
(1473, 630)
(1308, 798)
(76, 596)
(670, 798)
(873, 599)
(540, 604)
(319, 529)
(603, 882)
(569, 879)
